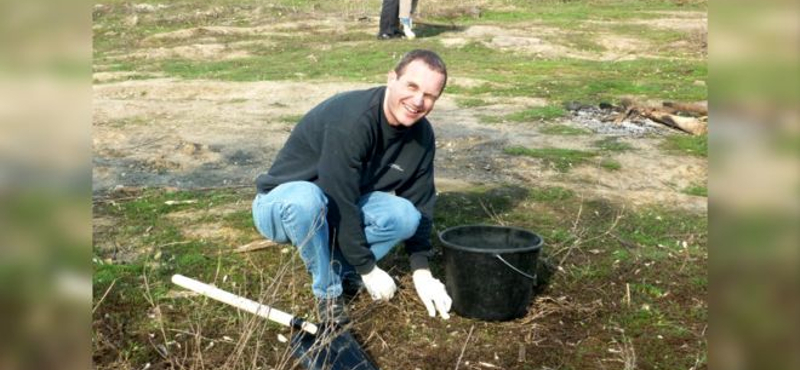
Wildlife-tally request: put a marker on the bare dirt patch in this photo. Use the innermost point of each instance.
(675, 20)
(671, 20)
(549, 42)
(210, 226)
(191, 52)
(165, 132)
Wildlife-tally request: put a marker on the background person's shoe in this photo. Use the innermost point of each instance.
(333, 311)
(389, 36)
(407, 26)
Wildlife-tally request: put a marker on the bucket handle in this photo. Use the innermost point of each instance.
(523, 273)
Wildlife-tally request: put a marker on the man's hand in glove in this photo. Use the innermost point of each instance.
(432, 293)
(379, 284)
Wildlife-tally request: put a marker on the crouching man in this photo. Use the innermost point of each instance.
(354, 179)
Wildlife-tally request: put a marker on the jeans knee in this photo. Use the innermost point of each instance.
(403, 220)
(410, 222)
(304, 212)
(305, 199)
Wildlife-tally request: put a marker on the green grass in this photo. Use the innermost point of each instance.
(560, 159)
(576, 80)
(291, 119)
(550, 194)
(471, 102)
(582, 41)
(563, 130)
(491, 119)
(612, 144)
(610, 165)
(687, 145)
(567, 13)
(699, 190)
(545, 113)
(650, 229)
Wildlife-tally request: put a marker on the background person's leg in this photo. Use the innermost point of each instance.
(405, 19)
(389, 20)
(404, 9)
(295, 212)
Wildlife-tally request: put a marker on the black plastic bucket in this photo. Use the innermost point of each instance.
(490, 271)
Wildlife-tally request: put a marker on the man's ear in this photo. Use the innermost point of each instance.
(391, 76)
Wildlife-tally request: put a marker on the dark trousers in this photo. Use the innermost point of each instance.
(389, 13)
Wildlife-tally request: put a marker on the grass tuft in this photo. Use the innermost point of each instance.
(560, 159)
(687, 145)
(546, 113)
(698, 190)
(471, 102)
(610, 165)
(550, 194)
(612, 144)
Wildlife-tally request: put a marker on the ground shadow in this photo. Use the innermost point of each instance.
(423, 30)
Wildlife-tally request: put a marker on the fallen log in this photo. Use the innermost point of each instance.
(692, 125)
(687, 109)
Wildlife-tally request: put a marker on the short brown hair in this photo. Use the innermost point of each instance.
(428, 57)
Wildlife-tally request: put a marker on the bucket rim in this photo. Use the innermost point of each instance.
(532, 248)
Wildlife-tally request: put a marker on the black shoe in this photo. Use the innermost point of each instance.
(333, 311)
(389, 36)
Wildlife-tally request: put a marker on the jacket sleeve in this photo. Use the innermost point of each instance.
(340, 168)
(421, 192)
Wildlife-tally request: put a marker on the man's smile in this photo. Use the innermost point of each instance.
(410, 109)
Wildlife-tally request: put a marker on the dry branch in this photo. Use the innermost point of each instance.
(685, 109)
(255, 245)
(692, 125)
(689, 118)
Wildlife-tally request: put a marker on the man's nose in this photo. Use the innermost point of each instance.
(418, 99)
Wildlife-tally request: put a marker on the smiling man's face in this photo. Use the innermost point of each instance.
(411, 96)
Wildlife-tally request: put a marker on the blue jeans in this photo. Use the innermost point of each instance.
(295, 212)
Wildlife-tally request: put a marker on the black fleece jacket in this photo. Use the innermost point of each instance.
(346, 147)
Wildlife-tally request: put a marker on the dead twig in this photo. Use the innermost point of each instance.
(694, 110)
(148, 296)
(626, 243)
(255, 245)
(464, 348)
(104, 296)
(174, 243)
(492, 214)
(577, 217)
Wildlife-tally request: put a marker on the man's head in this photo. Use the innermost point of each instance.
(413, 87)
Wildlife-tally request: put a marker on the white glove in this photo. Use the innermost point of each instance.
(432, 293)
(379, 284)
